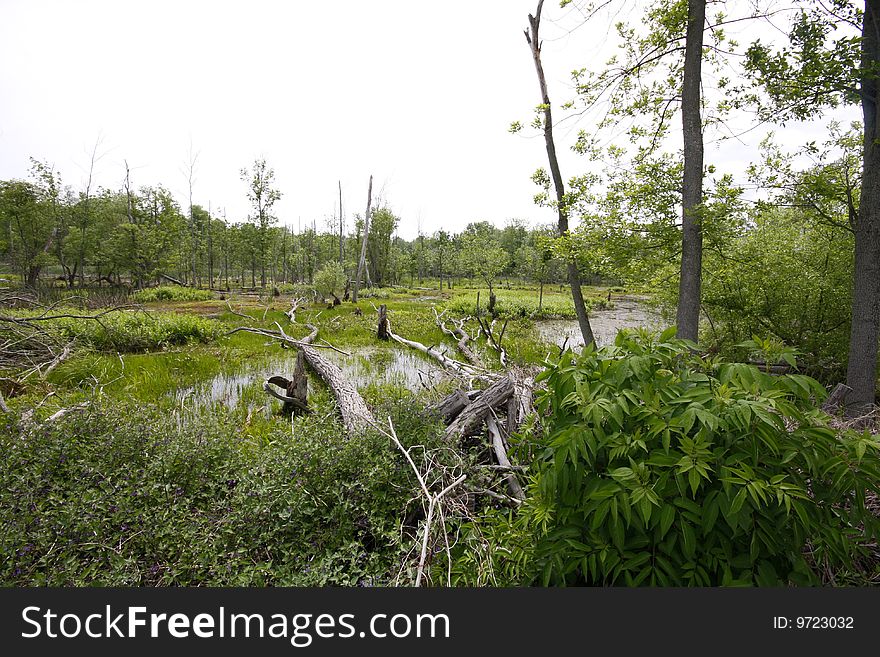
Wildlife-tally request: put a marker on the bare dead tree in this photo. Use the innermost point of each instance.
(363, 257)
(561, 202)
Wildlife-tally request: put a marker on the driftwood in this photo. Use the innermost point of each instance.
(451, 406)
(461, 335)
(464, 370)
(473, 416)
(513, 485)
(296, 389)
(356, 415)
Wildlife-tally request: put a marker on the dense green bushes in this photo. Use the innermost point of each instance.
(137, 331)
(172, 293)
(517, 304)
(129, 496)
(796, 288)
(655, 466)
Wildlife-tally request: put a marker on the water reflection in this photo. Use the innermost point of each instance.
(627, 313)
(363, 367)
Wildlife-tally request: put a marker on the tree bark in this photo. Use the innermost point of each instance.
(296, 389)
(382, 331)
(861, 373)
(363, 258)
(574, 278)
(356, 415)
(472, 418)
(688, 316)
(451, 406)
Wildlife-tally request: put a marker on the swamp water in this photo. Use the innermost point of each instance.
(627, 313)
(362, 367)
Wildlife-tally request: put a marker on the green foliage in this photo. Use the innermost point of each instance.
(127, 497)
(659, 467)
(524, 304)
(330, 279)
(172, 293)
(136, 331)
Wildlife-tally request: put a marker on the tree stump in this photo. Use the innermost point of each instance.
(296, 389)
(382, 331)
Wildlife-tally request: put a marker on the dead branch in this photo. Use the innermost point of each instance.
(494, 342)
(464, 370)
(247, 317)
(432, 501)
(461, 335)
(513, 485)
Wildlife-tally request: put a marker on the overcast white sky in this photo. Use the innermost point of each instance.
(418, 94)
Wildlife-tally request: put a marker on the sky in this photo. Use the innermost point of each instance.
(419, 95)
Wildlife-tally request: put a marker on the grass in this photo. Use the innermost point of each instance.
(171, 293)
(148, 356)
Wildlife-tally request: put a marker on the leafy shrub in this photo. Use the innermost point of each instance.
(138, 331)
(128, 496)
(658, 467)
(172, 293)
(796, 288)
(522, 305)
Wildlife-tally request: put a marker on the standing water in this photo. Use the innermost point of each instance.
(627, 313)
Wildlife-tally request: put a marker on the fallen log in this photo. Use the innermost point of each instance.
(356, 415)
(473, 416)
(461, 335)
(464, 370)
(451, 406)
(513, 485)
(172, 280)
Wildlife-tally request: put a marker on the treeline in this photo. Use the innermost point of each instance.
(49, 231)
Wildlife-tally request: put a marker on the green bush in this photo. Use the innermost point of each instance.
(129, 496)
(138, 331)
(172, 293)
(656, 466)
(796, 288)
(512, 305)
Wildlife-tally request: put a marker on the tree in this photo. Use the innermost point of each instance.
(688, 315)
(561, 203)
(330, 279)
(262, 195)
(482, 256)
(29, 234)
(363, 256)
(820, 69)
(383, 223)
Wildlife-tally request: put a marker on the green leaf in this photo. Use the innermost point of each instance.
(667, 517)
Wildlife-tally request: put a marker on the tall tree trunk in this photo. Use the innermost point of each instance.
(688, 317)
(341, 226)
(574, 279)
(363, 258)
(861, 372)
(210, 251)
